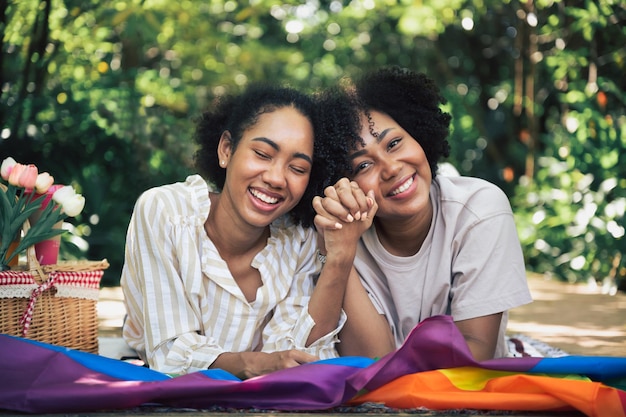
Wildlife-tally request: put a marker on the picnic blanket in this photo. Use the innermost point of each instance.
(433, 369)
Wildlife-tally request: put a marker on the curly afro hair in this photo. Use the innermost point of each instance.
(237, 113)
(410, 98)
(340, 125)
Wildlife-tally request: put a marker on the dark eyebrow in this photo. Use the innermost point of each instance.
(382, 134)
(276, 147)
(379, 138)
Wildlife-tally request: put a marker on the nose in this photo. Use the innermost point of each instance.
(274, 176)
(390, 168)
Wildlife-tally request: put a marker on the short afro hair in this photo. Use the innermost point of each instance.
(237, 113)
(412, 99)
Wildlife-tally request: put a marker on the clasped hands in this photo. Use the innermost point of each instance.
(343, 214)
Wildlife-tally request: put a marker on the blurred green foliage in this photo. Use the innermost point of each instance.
(103, 95)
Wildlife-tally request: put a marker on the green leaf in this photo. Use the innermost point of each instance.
(28, 241)
(5, 219)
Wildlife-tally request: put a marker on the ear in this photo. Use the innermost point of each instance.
(224, 149)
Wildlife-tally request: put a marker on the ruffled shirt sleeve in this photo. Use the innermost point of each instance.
(162, 278)
(291, 323)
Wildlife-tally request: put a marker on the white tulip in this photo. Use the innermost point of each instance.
(6, 167)
(74, 206)
(71, 203)
(43, 183)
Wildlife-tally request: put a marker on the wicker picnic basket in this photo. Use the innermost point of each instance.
(54, 304)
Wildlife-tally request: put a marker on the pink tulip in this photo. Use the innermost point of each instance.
(28, 179)
(7, 166)
(15, 174)
(21, 175)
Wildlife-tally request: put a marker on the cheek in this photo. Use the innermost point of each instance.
(367, 183)
(299, 184)
(422, 155)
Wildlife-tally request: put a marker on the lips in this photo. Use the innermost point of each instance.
(403, 187)
(267, 199)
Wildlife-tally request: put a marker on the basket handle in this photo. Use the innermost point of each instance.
(32, 263)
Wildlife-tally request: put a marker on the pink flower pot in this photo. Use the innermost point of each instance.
(47, 251)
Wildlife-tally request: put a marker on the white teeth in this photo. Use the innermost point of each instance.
(403, 187)
(264, 197)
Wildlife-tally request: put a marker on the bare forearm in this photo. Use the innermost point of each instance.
(233, 363)
(249, 364)
(341, 222)
(326, 303)
(481, 335)
(480, 350)
(366, 332)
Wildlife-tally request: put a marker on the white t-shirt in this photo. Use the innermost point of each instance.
(470, 264)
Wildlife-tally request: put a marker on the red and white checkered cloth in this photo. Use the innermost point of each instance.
(81, 284)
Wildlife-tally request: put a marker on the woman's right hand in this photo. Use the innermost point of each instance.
(338, 237)
(246, 365)
(343, 215)
(343, 202)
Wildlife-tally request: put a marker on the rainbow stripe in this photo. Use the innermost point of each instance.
(433, 369)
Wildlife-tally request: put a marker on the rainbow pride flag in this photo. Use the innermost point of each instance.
(433, 369)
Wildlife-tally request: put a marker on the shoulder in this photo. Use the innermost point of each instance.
(177, 198)
(472, 194)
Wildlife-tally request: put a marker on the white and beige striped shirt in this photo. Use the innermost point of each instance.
(184, 307)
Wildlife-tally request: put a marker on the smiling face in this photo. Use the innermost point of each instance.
(394, 166)
(268, 172)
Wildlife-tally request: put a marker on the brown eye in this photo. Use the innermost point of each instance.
(262, 155)
(393, 143)
(359, 167)
(299, 170)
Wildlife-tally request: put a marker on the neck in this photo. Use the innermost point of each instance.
(404, 237)
(229, 235)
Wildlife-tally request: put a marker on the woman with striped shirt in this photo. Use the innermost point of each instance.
(222, 270)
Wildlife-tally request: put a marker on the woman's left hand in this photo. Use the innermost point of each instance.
(343, 203)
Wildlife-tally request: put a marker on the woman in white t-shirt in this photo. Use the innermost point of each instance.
(438, 244)
(221, 270)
